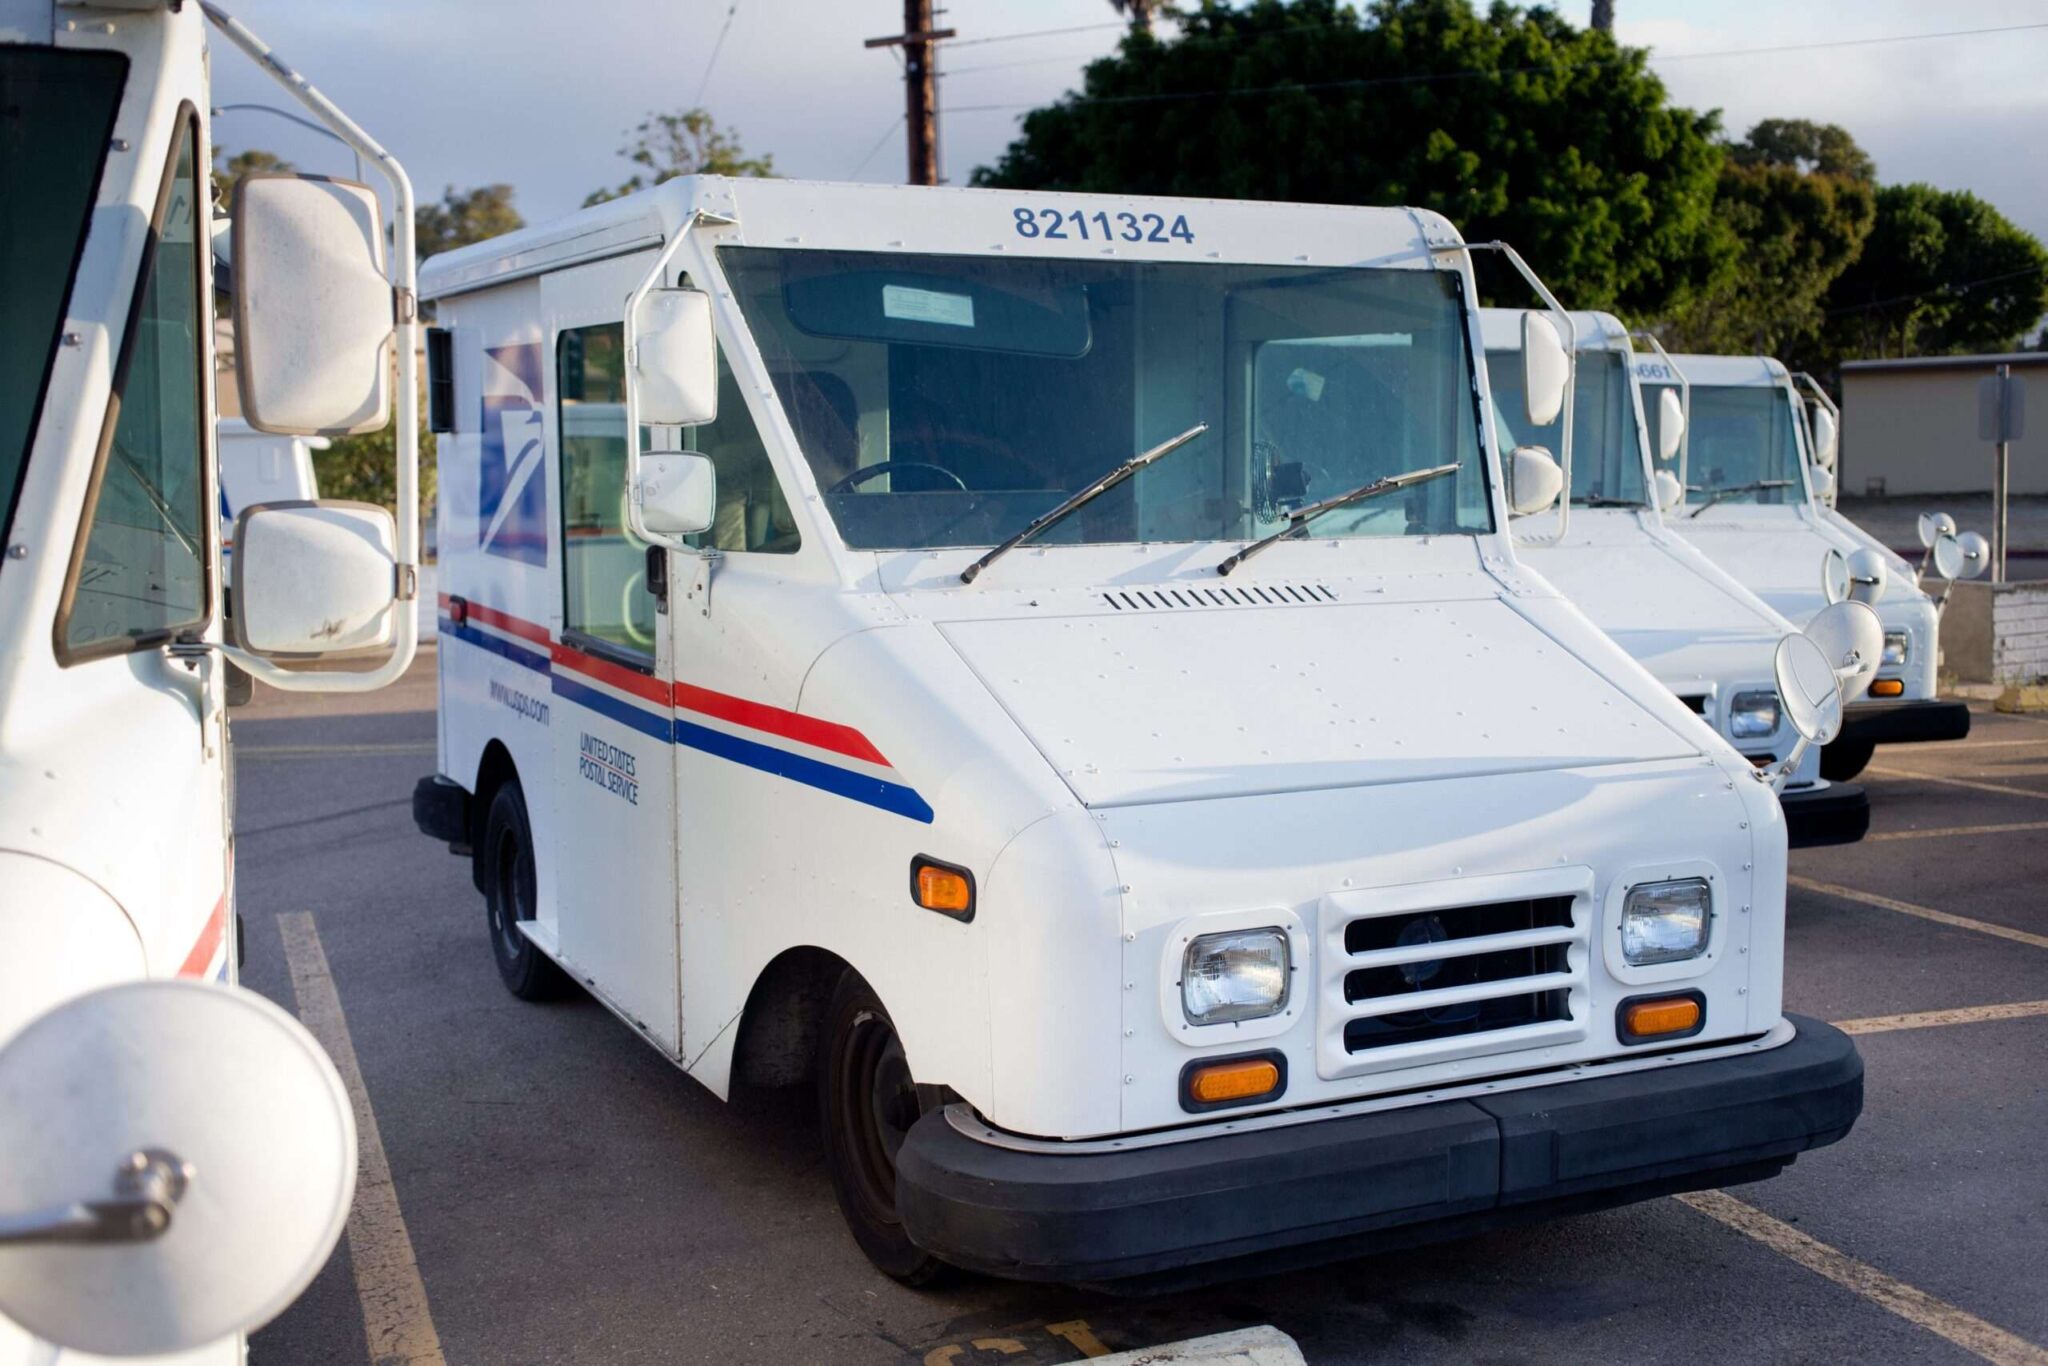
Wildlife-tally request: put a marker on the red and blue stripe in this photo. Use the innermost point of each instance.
(755, 735)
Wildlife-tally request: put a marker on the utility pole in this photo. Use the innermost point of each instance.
(1603, 15)
(920, 88)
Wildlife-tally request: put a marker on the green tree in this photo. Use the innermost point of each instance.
(1798, 200)
(227, 176)
(665, 146)
(1942, 272)
(1511, 123)
(365, 468)
(475, 214)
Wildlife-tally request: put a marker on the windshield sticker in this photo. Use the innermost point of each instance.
(512, 498)
(927, 306)
(1100, 226)
(611, 768)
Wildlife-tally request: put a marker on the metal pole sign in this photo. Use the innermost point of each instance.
(2001, 420)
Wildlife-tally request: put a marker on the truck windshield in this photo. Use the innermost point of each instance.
(1607, 453)
(56, 116)
(1743, 449)
(949, 400)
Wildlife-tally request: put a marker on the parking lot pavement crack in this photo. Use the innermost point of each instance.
(1959, 1326)
(1961, 922)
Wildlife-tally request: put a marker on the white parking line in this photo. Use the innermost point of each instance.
(2000, 788)
(396, 1320)
(1914, 1305)
(1946, 830)
(1929, 1019)
(1961, 922)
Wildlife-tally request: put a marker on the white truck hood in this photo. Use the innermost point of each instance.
(1179, 705)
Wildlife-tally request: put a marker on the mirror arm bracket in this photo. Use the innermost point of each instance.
(147, 1187)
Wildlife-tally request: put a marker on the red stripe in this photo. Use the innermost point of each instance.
(491, 616)
(197, 961)
(603, 670)
(790, 725)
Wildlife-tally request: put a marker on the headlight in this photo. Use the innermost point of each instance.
(1236, 975)
(1898, 647)
(1666, 922)
(1753, 715)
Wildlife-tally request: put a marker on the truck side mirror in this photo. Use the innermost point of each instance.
(180, 1162)
(678, 492)
(1851, 635)
(675, 359)
(314, 314)
(1825, 435)
(1668, 492)
(314, 578)
(1534, 481)
(1670, 425)
(1546, 368)
(1823, 485)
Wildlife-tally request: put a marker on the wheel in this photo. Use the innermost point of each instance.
(1844, 759)
(509, 897)
(867, 1103)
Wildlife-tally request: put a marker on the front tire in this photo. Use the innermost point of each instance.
(511, 895)
(1844, 759)
(867, 1103)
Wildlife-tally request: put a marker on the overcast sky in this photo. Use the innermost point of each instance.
(538, 93)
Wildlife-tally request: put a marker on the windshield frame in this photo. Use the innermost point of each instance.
(703, 260)
(1635, 423)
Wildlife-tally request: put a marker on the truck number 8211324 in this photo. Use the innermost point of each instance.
(1101, 226)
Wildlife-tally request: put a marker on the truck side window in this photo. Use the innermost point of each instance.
(140, 577)
(604, 566)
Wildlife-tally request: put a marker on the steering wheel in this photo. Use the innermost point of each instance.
(867, 472)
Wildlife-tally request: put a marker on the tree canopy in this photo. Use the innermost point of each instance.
(1511, 123)
(665, 146)
(472, 215)
(228, 175)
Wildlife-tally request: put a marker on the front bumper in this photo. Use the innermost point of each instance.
(1836, 814)
(1329, 1188)
(1904, 722)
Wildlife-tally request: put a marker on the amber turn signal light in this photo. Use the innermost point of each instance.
(1232, 1081)
(1642, 1019)
(1888, 687)
(942, 887)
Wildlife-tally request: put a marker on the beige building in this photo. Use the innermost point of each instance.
(1910, 426)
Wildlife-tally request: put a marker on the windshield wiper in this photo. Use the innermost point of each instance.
(1722, 495)
(1082, 499)
(1601, 500)
(1298, 520)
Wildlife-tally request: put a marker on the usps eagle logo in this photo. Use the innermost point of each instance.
(512, 497)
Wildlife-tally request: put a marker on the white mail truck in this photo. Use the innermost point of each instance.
(1685, 619)
(1755, 506)
(177, 1155)
(1052, 671)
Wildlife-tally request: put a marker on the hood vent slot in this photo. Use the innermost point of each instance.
(1177, 597)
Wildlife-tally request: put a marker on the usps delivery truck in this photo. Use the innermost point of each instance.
(1755, 506)
(1685, 619)
(177, 1155)
(1053, 672)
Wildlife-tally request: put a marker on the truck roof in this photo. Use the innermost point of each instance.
(1727, 372)
(1501, 329)
(948, 220)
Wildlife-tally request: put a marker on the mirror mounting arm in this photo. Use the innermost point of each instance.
(630, 338)
(147, 1187)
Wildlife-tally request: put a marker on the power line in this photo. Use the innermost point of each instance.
(880, 143)
(1035, 33)
(716, 48)
(1948, 289)
(1435, 77)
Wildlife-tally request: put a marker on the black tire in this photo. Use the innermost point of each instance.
(510, 895)
(1844, 759)
(867, 1103)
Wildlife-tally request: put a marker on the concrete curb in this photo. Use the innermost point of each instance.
(1261, 1346)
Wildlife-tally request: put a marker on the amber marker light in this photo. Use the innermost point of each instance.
(1888, 687)
(1645, 1019)
(942, 887)
(1231, 1081)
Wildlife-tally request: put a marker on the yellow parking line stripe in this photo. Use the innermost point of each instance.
(396, 1320)
(2000, 788)
(1951, 746)
(1961, 922)
(1940, 831)
(1916, 1306)
(1929, 1019)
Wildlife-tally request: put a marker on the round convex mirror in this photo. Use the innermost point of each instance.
(1976, 553)
(1867, 574)
(1851, 637)
(249, 1107)
(1934, 525)
(1948, 556)
(1807, 687)
(1834, 575)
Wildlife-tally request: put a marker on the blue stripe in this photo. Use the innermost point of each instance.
(497, 645)
(800, 768)
(604, 704)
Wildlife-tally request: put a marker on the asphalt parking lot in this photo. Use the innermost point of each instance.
(540, 1186)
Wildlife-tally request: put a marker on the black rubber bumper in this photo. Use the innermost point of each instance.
(1326, 1188)
(1904, 723)
(1836, 814)
(440, 808)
